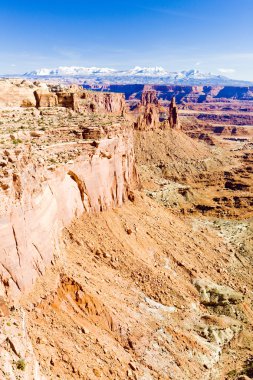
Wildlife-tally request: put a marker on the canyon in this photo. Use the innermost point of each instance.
(183, 94)
(125, 231)
(214, 102)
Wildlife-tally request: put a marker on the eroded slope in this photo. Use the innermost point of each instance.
(126, 301)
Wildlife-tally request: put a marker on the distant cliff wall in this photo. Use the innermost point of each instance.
(186, 94)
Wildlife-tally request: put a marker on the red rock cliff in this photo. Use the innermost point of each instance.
(51, 177)
(40, 202)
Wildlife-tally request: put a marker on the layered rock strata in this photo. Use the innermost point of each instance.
(149, 96)
(51, 175)
(23, 93)
(183, 94)
(40, 202)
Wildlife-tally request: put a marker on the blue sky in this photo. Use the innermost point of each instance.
(210, 35)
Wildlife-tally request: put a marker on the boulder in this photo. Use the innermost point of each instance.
(15, 93)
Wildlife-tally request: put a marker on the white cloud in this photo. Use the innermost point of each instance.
(226, 71)
(13, 65)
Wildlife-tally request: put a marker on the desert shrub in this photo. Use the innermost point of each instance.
(20, 364)
(16, 141)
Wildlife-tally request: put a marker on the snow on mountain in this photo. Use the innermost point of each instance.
(198, 75)
(136, 72)
(86, 71)
(72, 71)
(141, 75)
(146, 71)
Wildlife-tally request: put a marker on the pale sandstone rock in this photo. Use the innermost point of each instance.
(215, 295)
(16, 94)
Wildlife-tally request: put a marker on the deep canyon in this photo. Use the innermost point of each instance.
(126, 232)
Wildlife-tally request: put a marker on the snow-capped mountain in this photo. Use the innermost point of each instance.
(93, 71)
(136, 71)
(146, 71)
(196, 74)
(141, 75)
(72, 71)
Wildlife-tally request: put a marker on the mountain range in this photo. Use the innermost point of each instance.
(142, 75)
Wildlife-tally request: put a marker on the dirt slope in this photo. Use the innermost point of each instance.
(122, 304)
(191, 176)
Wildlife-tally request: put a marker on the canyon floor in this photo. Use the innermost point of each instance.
(159, 288)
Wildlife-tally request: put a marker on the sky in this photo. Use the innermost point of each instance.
(208, 35)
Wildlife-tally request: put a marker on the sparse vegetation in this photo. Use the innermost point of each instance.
(20, 363)
(16, 141)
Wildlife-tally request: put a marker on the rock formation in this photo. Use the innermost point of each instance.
(149, 97)
(45, 99)
(39, 203)
(17, 93)
(148, 118)
(151, 115)
(80, 100)
(67, 99)
(173, 114)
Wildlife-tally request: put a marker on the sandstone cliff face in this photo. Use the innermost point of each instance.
(148, 118)
(105, 102)
(82, 101)
(40, 202)
(53, 176)
(45, 99)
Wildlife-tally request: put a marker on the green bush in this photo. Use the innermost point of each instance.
(20, 364)
(16, 141)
